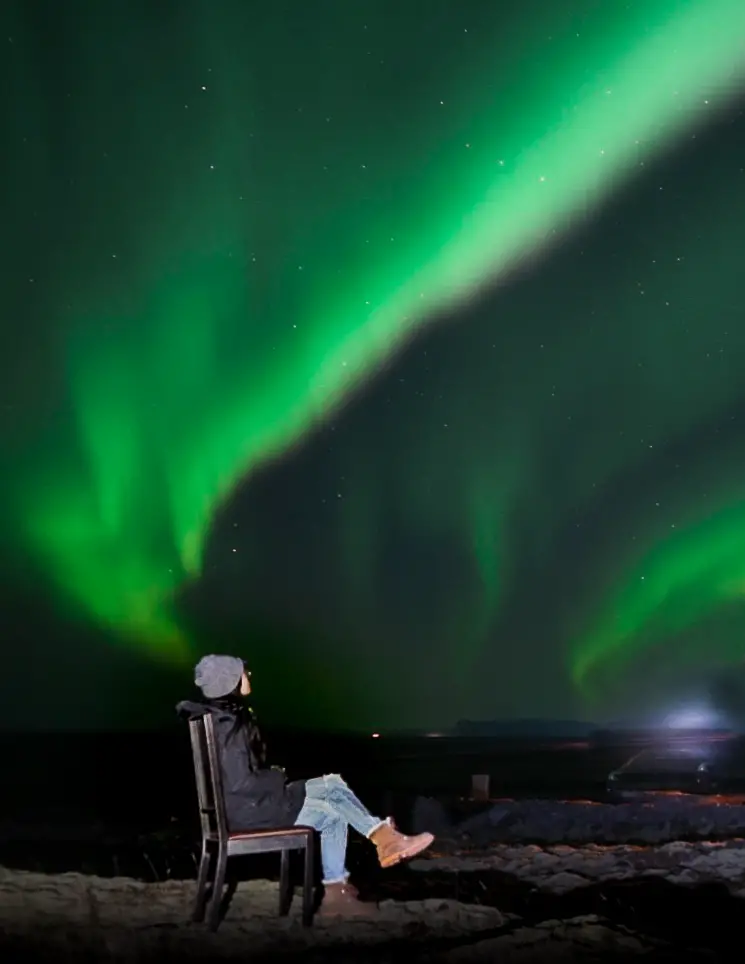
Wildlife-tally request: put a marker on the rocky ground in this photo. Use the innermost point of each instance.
(560, 868)
(651, 819)
(479, 895)
(70, 916)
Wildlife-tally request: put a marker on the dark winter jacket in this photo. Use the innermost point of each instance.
(256, 796)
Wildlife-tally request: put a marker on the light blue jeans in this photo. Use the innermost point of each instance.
(331, 808)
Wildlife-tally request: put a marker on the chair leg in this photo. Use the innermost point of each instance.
(285, 890)
(308, 880)
(200, 901)
(218, 884)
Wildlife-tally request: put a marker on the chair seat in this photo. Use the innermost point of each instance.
(273, 832)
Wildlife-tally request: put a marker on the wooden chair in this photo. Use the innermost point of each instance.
(218, 844)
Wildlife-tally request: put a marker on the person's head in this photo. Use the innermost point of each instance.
(220, 676)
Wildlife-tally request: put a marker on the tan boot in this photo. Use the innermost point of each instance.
(393, 847)
(342, 900)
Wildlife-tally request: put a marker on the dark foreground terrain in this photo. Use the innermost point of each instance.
(679, 901)
(86, 874)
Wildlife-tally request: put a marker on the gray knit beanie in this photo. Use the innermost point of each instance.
(218, 676)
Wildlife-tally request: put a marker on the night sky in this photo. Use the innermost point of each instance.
(396, 347)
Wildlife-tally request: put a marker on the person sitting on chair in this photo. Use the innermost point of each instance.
(258, 796)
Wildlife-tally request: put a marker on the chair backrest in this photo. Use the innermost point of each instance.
(208, 777)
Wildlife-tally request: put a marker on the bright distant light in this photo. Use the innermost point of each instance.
(376, 736)
(692, 718)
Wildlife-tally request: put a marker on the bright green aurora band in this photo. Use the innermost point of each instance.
(172, 410)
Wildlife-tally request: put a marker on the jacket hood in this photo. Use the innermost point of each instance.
(193, 709)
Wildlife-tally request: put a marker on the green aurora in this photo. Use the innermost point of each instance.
(249, 295)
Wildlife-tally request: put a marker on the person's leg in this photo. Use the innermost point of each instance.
(344, 802)
(318, 812)
(338, 798)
